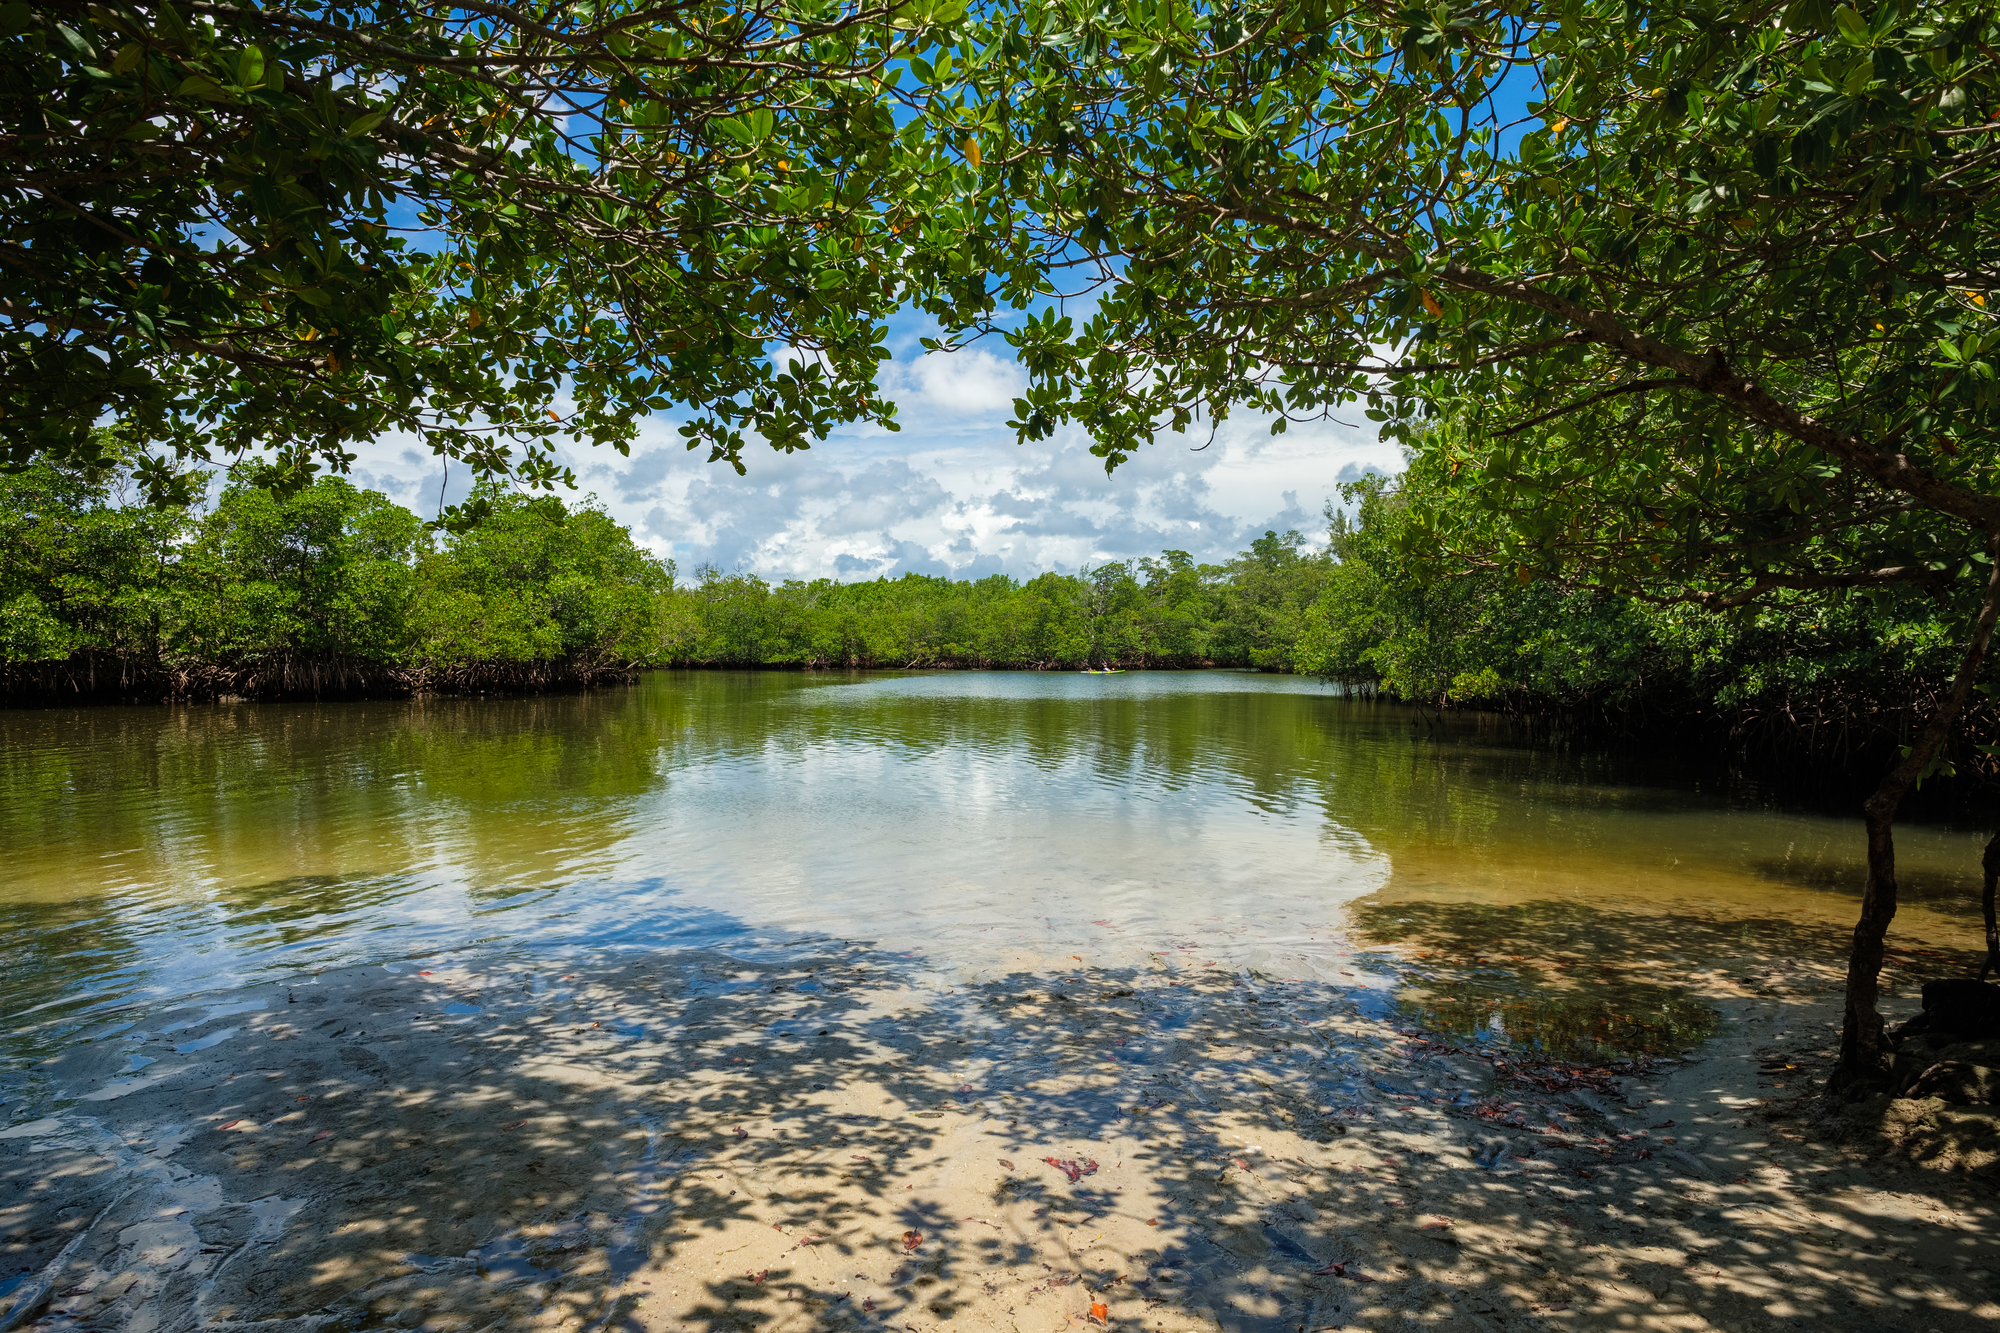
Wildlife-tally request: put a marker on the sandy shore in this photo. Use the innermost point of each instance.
(841, 1140)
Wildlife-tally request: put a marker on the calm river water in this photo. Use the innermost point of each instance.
(967, 820)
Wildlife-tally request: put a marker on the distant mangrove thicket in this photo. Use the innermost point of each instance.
(333, 590)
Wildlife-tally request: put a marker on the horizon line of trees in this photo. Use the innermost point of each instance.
(334, 591)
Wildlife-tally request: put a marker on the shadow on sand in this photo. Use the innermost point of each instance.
(828, 1136)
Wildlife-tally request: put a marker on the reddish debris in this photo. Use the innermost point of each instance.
(1074, 1170)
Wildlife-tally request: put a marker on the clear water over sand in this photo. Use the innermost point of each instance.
(961, 818)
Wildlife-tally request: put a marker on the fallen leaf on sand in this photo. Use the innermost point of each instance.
(758, 1277)
(868, 1304)
(1437, 1224)
(1099, 1312)
(1587, 1175)
(231, 1125)
(1074, 1170)
(1241, 1165)
(1004, 1162)
(516, 1125)
(1664, 1124)
(912, 1239)
(323, 1134)
(741, 1133)
(426, 974)
(1336, 1270)
(808, 1240)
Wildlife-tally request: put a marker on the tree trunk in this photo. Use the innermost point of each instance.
(1990, 863)
(1864, 1052)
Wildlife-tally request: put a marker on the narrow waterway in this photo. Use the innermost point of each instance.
(958, 819)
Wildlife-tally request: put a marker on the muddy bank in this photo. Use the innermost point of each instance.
(842, 1139)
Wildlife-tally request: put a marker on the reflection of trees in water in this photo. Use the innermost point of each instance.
(1588, 1023)
(51, 945)
(210, 781)
(1362, 759)
(277, 818)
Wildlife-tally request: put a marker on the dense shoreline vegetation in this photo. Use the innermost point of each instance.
(334, 591)
(1838, 678)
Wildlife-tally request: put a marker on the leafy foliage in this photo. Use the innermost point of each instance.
(1799, 674)
(1713, 324)
(1168, 612)
(535, 581)
(335, 589)
(207, 226)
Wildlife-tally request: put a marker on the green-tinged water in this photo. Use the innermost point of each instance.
(971, 821)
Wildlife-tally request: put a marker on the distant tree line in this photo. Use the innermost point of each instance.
(331, 590)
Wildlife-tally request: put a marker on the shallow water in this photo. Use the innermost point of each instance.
(965, 820)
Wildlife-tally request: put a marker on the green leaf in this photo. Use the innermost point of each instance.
(200, 85)
(740, 129)
(364, 123)
(250, 69)
(1853, 27)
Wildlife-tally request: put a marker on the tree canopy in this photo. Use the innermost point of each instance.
(287, 227)
(1722, 295)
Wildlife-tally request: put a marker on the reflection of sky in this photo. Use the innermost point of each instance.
(971, 820)
(968, 818)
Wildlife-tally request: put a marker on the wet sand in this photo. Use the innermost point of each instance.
(842, 1139)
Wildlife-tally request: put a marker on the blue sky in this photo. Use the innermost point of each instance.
(951, 493)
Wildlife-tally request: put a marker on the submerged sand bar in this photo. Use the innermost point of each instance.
(837, 1140)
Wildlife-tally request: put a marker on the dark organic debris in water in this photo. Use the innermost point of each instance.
(1074, 1170)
